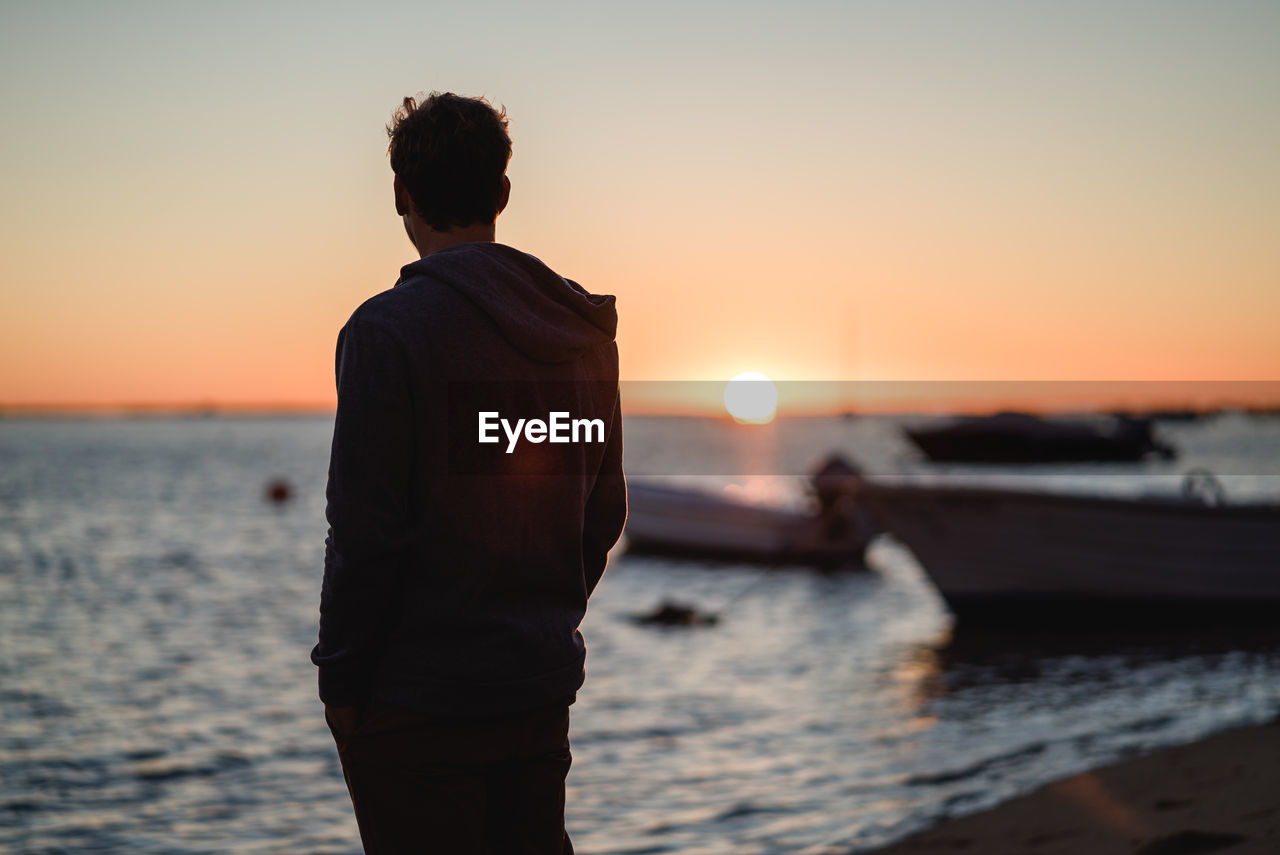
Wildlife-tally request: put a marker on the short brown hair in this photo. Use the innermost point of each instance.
(450, 154)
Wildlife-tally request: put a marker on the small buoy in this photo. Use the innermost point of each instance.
(279, 491)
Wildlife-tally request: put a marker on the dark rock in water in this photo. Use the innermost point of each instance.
(279, 491)
(676, 614)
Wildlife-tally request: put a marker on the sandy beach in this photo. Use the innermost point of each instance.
(1221, 794)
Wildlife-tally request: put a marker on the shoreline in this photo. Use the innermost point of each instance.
(1219, 794)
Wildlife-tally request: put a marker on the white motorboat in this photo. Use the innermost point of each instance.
(689, 523)
(1008, 552)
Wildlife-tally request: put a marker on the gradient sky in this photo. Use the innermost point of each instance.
(196, 196)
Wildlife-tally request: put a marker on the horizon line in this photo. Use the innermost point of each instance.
(211, 409)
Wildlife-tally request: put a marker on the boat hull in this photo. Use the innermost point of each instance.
(691, 524)
(1021, 438)
(985, 548)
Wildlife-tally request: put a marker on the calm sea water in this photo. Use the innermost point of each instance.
(156, 615)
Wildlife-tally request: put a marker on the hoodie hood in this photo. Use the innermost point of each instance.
(543, 315)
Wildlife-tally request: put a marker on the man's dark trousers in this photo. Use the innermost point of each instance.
(465, 788)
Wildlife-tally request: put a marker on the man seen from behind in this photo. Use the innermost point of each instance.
(458, 568)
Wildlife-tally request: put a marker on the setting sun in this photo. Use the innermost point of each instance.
(751, 398)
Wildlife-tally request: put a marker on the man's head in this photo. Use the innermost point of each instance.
(450, 155)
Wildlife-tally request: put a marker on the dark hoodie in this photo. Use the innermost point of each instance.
(456, 573)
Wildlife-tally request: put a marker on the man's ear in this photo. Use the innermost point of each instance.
(506, 194)
(404, 205)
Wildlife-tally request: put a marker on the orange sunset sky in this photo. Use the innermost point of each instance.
(196, 196)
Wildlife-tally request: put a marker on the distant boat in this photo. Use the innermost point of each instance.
(1023, 438)
(687, 523)
(1011, 554)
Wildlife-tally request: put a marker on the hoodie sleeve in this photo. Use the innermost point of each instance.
(606, 510)
(368, 509)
